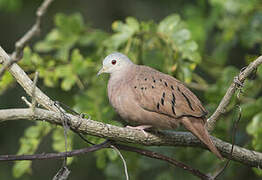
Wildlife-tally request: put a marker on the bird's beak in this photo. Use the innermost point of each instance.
(102, 70)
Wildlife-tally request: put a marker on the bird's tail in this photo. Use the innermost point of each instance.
(197, 127)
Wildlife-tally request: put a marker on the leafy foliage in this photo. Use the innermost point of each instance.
(216, 37)
(68, 69)
(29, 144)
(10, 5)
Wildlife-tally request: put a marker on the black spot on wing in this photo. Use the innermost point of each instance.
(153, 79)
(173, 99)
(166, 84)
(188, 101)
(163, 98)
(157, 106)
(153, 87)
(162, 101)
(172, 87)
(173, 103)
(173, 109)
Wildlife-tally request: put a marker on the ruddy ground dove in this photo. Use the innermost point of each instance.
(148, 98)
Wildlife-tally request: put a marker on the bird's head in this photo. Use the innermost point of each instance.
(114, 62)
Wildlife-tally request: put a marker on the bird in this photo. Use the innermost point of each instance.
(147, 98)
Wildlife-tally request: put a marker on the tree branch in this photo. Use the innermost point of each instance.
(127, 135)
(231, 90)
(106, 144)
(27, 84)
(60, 155)
(242, 155)
(155, 155)
(21, 43)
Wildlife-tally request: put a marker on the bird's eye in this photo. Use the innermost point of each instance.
(113, 61)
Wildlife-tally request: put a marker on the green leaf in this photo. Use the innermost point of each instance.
(69, 25)
(187, 73)
(62, 38)
(48, 44)
(251, 108)
(258, 171)
(5, 82)
(254, 128)
(21, 167)
(64, 71)
(174, 32)
(168, 24)
(180, 36)
(28, 145)
(112, 154)
(132, 24)
(77, 60)
(68, 83)
(124, 31)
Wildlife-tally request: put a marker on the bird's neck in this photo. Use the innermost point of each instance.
(117, 79)
(122, 75)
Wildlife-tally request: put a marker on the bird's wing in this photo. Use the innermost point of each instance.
(161, 93)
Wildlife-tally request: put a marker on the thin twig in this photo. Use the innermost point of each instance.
(123, 160)
(81, 115)
(21, 43)
(235, 126)
(65, 119)
(83, 138)
(59, 155)
(159, 156)
(26, 101)
(67, 108)
(230, 92)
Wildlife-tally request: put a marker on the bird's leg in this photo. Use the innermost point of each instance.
(141, 128)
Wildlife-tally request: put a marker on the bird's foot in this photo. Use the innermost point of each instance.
(140, 128)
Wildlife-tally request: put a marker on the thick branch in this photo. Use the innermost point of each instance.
(230, 92)
(242, 155)
(27, 84)
(127, 135)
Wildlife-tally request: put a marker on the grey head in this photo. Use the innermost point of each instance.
(115, 62)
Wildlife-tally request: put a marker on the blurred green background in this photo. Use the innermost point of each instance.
(203, 43)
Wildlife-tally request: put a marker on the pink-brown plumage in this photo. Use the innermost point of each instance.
(144, 96)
